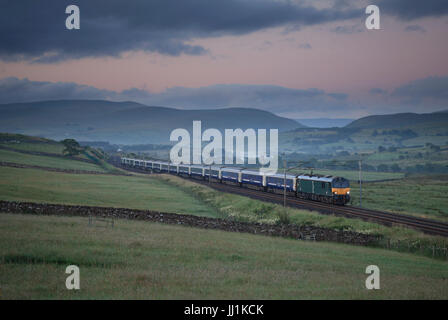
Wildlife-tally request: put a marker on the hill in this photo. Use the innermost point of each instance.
(125, 122)
(324, 122)
(401, 120)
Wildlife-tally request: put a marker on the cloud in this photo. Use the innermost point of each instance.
(431, 88)
(273, 98)
(415, 28)
(347, 29)
(421, 95)
(377, 91)
(413, 9)
(276, 99)
(35, 30)
(24, 90)
(304, 46)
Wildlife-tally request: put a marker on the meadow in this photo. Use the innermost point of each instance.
(47, 161)
(423, 196)
(169, 193)
(139, 260)
(96, 190)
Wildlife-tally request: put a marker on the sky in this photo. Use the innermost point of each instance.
(299, 59)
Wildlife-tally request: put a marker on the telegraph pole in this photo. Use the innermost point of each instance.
(284, 183)
(360, 182)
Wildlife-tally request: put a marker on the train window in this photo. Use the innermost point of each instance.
(323, 185)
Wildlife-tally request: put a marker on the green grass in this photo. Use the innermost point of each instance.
(97, 190)
(56, 148)
(47, 161)
(141, 260)
(241, 208)
(172, 194)
(423, 196)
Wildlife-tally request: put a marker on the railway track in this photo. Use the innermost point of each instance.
(387, 218)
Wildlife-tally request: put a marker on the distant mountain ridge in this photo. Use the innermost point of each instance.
(401, 120)
(125, 122)
(324, 122)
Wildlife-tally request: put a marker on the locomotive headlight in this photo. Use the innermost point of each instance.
(348, 192)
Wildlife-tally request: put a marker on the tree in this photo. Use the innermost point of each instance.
(72, 147)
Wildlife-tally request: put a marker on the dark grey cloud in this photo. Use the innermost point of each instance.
(415, 28)
(35, 30)
(23, 90)
(348, 29)
(304, 46)
(422, 95)
(377, 91)
(413, 9)
(433, 88)
(266, 97)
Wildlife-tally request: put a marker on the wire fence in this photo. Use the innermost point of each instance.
(95, 221)
(436, 251)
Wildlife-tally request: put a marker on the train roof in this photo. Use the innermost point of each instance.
(279, 175)
(316, 177)
(232, 169)
(196, 166)
(213, 167)
(254, 172)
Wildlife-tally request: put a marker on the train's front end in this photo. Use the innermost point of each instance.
(340, 188)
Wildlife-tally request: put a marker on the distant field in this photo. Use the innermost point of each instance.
(47, 161)
(421, 196)
(40, 147)
(140, 260)
(56, 148)
(97, 190)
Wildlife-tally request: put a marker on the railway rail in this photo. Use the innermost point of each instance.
(386, 218)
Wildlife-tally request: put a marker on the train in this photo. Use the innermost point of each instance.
(328, 189)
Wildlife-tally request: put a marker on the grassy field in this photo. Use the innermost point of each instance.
(97, 190)
(241, 208)
(47, 161)
(423, 196)
(139, 260)
(56, 148)
(156, 193)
